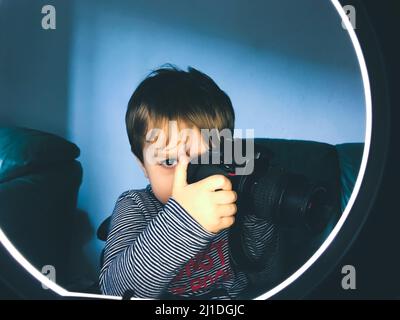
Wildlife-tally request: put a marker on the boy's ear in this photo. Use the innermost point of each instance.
(142, 167)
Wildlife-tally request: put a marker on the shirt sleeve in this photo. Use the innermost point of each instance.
(143, 256)
(261, 240)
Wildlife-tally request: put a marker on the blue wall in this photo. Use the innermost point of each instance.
(34, 66)
(288, 67)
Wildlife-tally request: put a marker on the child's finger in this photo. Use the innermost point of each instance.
(226, 210)
(224, 197)
(226, 222)
(180, 176)
(216, 182)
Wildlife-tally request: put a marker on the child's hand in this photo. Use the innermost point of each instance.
(214, 210)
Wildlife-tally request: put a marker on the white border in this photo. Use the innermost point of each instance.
(367, 91)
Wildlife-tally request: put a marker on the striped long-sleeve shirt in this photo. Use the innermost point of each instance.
(154, 249)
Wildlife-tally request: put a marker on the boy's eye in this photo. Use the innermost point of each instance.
(169, 163)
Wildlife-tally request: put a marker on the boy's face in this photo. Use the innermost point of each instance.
(160, 158)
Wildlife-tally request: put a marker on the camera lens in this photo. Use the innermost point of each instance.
(290, 200)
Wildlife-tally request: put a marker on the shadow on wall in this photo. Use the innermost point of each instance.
(82, 276)
(34, 66)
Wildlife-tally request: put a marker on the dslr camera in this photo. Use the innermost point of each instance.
(264, 188)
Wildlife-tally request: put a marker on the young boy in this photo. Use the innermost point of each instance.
(170, 240)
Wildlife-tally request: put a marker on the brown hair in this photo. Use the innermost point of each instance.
(169, 93)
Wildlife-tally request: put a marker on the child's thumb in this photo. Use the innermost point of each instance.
(180, 178)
